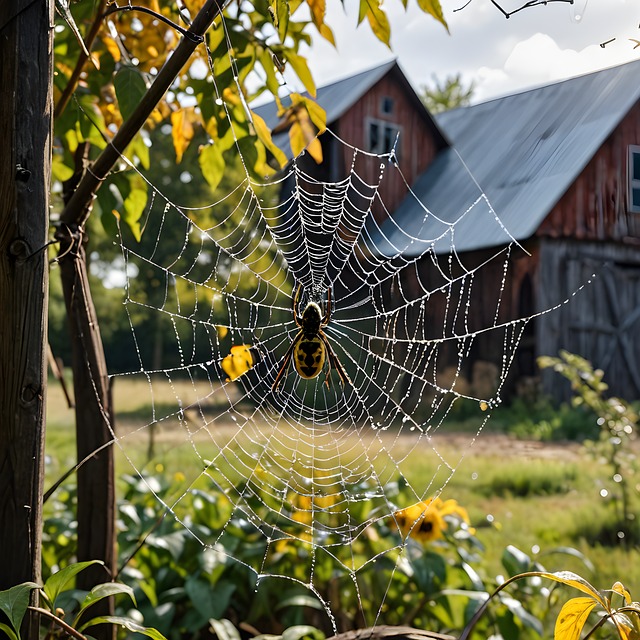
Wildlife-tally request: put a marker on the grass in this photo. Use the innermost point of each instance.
(515, 494)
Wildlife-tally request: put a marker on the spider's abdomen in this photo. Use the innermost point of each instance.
(309, 355)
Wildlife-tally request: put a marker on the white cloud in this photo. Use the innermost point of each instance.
(540, 60)
(534, 46)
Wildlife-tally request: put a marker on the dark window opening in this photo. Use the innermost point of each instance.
(386, 105)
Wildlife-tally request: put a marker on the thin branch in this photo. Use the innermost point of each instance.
(78, 207)
(69, 630)
(508, 14)
(82, 59)
(131, 7)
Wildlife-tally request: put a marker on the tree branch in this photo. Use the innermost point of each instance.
(69, 630)
(82, 59)
(508, 14)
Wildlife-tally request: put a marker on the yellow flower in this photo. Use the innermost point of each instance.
(426, 521)
(422, 521)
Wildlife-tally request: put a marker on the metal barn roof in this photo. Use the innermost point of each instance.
(523, 150)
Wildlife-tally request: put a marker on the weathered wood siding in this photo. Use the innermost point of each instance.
(601, 322)
(595, 206)
(417, 143)
(493, 303)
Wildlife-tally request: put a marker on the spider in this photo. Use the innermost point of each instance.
(310, 347)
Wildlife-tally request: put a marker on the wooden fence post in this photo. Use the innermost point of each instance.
(26, 78)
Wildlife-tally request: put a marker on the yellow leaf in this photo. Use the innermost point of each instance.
(433, 8)
(182, 130)
(572, 618)
(317, 114)
(620, 589)
(318, 10)
(372, 10)
(221, 331)
(264, 135)
(314, 149)
(299, 65)
(574, 580)
(238, 362)
(326, 32)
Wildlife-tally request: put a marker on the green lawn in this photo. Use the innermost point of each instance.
(537, 497)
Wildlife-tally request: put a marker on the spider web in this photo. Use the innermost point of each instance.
(314, 467)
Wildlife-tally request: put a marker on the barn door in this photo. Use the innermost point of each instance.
(602, 321)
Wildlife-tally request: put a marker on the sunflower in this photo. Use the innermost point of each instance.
(427, 520)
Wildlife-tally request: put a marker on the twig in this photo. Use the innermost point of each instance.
(130, 7)
(69, 630)
(508, 14)
(82, 59)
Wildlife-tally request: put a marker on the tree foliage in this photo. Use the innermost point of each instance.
(449, 93)
(107, 55)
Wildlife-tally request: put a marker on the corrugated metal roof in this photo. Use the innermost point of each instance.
(524, 150)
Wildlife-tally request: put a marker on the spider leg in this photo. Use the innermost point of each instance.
(334, 362)
(296, 304)
(327, 315)
(285, 362)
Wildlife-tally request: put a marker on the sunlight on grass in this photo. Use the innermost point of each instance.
(515, 495)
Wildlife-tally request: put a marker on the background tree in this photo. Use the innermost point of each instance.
(449, 93)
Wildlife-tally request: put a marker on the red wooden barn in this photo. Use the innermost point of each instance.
(560, 168)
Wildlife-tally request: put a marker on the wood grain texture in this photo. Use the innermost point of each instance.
(26, 46)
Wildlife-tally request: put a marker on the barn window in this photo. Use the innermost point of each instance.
(382, 136)
(633, 171)
(386, 105)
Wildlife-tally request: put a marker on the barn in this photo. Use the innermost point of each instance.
(560, 166)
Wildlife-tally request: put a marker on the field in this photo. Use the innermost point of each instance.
(539, 497)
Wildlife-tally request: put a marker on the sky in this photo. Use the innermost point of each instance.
(533, 47)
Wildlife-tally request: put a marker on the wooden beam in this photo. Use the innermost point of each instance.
(26, 78)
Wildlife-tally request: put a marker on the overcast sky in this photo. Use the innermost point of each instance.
(533, 47)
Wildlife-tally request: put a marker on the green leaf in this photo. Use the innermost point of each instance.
(130, 87)
(299, 600)
(104, 591)
(9, 631)
(63, 8)
(140, 150)
(301, 68)
(58, 581)
(517, 609)
(433, 8)
(280, 15)
(515, 561)
(209, 601)
(572, 618)
(14, 602)
(126, 623)
(267, 63)
(133, 208)
(299, 631)
(224, 629)
(212, 164)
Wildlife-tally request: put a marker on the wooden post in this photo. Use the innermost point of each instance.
(26, 79)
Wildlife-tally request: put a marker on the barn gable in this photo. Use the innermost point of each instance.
(376, 110)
